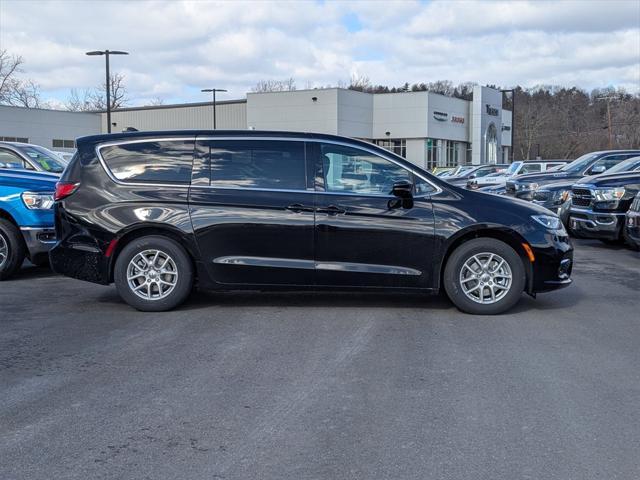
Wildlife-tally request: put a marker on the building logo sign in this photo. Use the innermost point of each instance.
(455, 119)
(493, 111)
(440, 116)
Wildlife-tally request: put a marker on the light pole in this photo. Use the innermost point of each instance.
(106, 54)
(213, 91)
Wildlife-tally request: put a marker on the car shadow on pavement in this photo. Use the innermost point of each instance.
(30, 272)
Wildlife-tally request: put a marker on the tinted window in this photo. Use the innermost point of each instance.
(484, 171)
(154, 162)
(256, 164)
(11, 160)
(348, 169)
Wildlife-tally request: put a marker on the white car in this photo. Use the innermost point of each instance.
(516, 168)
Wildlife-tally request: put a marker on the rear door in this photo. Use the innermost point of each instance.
(364, 235)
(252, 210)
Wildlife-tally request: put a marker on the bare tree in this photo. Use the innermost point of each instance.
(156, 101)
(9, 67)
(92, 99)
(360, 83)
(286, 85)
(13, 90)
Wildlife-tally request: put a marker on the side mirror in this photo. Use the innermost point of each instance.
(597, 170)
(402, 189)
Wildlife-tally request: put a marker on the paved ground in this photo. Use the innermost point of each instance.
(322, 386)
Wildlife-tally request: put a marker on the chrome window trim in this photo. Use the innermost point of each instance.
(99, 147)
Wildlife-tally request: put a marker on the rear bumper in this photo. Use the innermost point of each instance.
(38, 240)
(80, 261)
(589, 224)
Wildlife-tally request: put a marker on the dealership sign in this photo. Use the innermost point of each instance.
(444, 117)
(493, 111)
(440, 116)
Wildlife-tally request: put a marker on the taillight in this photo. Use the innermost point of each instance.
(64, 189)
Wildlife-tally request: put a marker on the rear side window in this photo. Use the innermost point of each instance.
(531, 168)
(273, 164)
(150, 162)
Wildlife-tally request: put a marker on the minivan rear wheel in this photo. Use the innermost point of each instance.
(153, 274)
(484, 276)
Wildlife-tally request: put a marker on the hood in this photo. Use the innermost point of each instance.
(508, 205)
(29, 180)
(613, 180)
(565, 185)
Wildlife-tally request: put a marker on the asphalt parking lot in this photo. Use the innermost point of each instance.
(322, 386)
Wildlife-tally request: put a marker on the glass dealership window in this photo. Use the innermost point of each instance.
(348, 169)
(397, 146)
(432, 153)
(14, 139)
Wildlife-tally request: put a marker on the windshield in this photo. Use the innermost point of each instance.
(629, 165)
(46, 160)
(513, 168)
(579, 163)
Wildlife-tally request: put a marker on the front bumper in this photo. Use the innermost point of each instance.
(553, 264)
(39, 240)
(589, 224)
(632, 227)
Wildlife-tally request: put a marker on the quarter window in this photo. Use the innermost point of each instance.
(272, 164)
(348, 169)
(150, 162)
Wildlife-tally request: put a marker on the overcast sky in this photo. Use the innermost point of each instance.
(179, 47)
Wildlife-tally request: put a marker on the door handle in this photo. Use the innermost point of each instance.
(331, 210)
(297, 207)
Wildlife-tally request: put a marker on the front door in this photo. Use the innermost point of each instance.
(365, 236)
(252, 211)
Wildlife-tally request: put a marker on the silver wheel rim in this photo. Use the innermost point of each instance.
(4, 251)
(152, 275)
(486, 278)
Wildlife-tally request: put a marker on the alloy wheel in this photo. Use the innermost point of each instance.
(4, 250)
(152, 274)
(486, 278)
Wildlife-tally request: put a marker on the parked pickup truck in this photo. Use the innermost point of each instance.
(26, 218)
(632, 229)
(595, 163)
(599, 205)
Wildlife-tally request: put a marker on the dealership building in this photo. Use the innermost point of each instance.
(428, 129)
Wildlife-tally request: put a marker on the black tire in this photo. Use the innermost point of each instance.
(15, 250)
(183, 267)
(466, 251)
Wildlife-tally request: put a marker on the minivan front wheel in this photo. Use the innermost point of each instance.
(153, 274)
(484, 276)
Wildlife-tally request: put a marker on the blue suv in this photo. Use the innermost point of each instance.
(26, 218)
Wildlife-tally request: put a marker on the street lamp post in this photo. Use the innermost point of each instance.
(106, 54)
(213, 91)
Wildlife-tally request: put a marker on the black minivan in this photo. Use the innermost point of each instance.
(157, 212)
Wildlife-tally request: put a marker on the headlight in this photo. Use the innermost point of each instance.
(37, 201)
(608, 194)
(527, 186)
(549, 221)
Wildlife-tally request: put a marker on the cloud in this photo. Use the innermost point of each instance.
(178, 47)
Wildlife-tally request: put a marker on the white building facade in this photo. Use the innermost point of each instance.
(428, 129)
